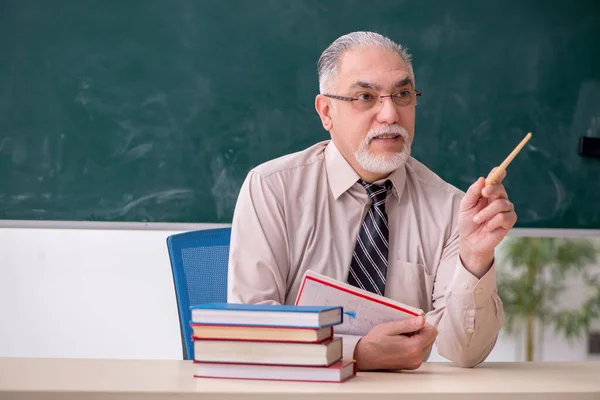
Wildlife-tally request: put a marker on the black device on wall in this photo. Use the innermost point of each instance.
(589, 146)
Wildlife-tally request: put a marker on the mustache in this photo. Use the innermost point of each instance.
(387, 129)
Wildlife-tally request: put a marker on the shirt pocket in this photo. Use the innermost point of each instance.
(411, 284)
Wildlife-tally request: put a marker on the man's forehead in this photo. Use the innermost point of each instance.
(373, 65)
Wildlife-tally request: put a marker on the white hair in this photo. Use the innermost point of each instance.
(327, 66)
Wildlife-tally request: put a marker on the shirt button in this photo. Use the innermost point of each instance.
(466, 285)
(470, 330)
(478, 290)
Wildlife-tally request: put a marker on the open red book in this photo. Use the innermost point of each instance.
(362, 309)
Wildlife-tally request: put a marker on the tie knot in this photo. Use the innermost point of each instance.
(376, 193)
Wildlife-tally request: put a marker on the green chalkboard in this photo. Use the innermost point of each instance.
(155, 111)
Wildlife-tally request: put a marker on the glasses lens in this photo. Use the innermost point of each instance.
(405, 98)
(365, 100)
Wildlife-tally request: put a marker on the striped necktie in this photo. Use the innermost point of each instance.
(370, 258)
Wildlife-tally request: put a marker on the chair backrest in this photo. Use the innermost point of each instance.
(199, 263)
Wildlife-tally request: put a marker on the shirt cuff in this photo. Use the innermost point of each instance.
(471, 291)
(349, 343)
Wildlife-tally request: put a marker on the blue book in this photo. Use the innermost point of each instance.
(267, 315)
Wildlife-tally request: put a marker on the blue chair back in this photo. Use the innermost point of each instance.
(199, 263)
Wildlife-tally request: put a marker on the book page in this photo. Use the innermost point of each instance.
(360, 312)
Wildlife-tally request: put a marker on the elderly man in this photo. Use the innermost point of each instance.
(359, 208)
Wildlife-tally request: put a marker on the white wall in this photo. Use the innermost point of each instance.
(87, 293)
(108, 293)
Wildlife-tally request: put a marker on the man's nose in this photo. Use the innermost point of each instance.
(387, 114)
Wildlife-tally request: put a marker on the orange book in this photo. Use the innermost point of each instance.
(260, 333)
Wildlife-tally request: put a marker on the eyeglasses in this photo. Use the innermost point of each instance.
(367, 100)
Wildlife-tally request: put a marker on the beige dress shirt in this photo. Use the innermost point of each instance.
(304, 210)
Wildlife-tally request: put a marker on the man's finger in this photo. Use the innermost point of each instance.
(493, 210)
(495, 191)
(395, 328)
(473, 194)
(425, 339)
(505, 221)
(427, 335)
(500, 178)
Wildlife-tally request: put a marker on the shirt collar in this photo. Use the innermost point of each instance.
(342, 176)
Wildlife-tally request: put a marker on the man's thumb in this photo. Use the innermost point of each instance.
(473, 194)
(405, 326)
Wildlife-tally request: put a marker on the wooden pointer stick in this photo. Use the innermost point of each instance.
(494, 177)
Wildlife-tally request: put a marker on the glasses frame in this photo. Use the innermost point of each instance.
(381, 97)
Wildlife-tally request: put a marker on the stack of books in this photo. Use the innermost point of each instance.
(272, 342)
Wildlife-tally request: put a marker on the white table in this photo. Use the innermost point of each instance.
(22, 378)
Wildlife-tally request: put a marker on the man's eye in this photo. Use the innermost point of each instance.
(403, 94)
(365, 97)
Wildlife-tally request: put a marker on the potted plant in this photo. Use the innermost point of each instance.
(532, 276)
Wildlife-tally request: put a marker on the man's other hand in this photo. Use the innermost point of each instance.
(395, 345)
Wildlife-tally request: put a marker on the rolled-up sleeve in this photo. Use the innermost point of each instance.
(467, 311)
(258, 255)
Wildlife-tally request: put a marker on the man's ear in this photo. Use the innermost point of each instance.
(323, 107)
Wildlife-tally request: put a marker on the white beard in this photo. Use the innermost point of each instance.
(383, 164)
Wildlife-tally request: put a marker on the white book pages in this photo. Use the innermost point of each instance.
(362, 309)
